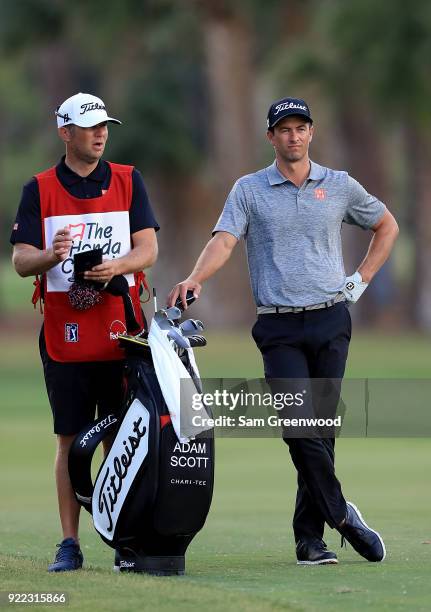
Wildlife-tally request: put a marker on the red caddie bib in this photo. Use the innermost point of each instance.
(102, 222)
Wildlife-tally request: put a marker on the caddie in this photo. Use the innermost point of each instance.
(290, 216)
(80, 204)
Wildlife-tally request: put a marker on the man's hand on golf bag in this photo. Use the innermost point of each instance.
(180, 291)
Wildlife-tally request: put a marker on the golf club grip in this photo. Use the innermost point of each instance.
(190, 298)
(196, 341)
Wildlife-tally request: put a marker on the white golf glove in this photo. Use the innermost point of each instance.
(354, 287)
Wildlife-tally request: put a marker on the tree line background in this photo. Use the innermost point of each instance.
(192, 81)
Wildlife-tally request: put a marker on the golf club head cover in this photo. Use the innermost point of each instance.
(119, 286)
(83, 296)
(83, 293)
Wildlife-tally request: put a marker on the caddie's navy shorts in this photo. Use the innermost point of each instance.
(75, 390)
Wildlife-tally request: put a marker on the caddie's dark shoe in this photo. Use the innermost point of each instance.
(69, 557)
(363, 539)
(314, 552)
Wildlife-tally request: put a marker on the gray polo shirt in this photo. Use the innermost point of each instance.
(293, 235)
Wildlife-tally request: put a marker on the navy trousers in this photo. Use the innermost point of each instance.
(307, 345)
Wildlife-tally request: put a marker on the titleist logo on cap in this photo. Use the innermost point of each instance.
(89, 106)
(286, 105)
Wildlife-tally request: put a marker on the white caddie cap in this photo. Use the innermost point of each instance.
(84, 110)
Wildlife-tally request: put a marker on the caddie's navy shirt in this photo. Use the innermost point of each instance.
(293, 234)
(28, 228)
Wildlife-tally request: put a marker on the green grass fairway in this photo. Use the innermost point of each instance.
(244, 557)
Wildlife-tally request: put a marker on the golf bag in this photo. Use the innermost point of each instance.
(153, 490)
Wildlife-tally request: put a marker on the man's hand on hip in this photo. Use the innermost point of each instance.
(354, 287)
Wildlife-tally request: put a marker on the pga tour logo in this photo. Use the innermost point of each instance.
(119, 469)
(71, 332)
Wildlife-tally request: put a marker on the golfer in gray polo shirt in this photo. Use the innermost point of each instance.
(290, 216)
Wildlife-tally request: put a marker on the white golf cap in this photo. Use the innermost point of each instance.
(84, 110)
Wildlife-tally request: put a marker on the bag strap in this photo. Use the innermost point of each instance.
(81, 454)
